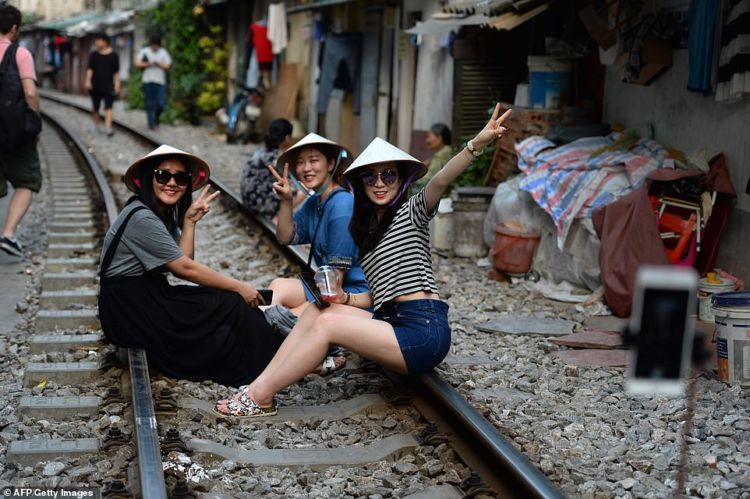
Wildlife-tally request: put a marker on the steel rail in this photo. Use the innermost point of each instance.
(151, 474)
(505, 459)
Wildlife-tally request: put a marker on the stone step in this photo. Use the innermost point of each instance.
(70, 264)
(62, 226)
(30, 452)
(76, 191)
(64, 373)
(59, 281)
(65, 250)
(41, 343)
(50, 320)
(61, 299)
(70, 217)
(56, 407)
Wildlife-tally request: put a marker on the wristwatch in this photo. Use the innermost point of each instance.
(472, 150)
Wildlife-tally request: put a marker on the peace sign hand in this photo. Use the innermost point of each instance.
(493, 130)
(282, 187)
(200, 206)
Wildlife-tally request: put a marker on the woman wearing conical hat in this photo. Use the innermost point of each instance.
(321, 221)
(212, 331)
(409, 331)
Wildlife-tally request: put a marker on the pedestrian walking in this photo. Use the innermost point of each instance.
(20, 125)
(409, 331)
(155, 62)
(103, 80)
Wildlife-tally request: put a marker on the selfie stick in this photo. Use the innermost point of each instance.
(698, 357)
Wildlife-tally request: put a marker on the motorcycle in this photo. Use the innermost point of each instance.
(242, 116)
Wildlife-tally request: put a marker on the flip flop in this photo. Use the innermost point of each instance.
(329, 365)
(244, 407)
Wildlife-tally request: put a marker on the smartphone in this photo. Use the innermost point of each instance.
(144, 58)
(662, 322)
(308, 282)
(267, 295)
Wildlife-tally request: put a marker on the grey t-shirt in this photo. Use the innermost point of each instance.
(145, 245)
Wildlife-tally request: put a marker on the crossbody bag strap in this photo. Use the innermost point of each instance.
(315, 233)
(110, 254)
(8, 58)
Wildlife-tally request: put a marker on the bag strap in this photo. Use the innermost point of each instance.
(315, 233)
(110, 254)
(9, 58)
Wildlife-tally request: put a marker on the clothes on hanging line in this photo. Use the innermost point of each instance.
(340, 50)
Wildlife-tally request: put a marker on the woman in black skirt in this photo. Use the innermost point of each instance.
(213, 331)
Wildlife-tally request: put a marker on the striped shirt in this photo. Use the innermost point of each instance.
(401, 262)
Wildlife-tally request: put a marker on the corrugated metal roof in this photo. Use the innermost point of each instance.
(90, 22)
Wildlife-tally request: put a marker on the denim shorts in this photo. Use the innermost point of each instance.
(422, 331)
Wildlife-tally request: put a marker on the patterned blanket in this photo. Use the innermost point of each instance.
(570, 181)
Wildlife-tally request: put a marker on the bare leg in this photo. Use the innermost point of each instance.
(288, 292)
(19, 203)
(108, 118)
(370, 338)
(97, 120)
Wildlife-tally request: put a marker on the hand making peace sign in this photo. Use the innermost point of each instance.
(493, 130)
(282, 187)
(200, 206)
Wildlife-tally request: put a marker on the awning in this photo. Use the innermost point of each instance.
(511, 20)
(83, 24)
(437, 26)
(314, 5)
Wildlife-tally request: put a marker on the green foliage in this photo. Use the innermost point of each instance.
(476, 173)
(197, 79)
(136, 99)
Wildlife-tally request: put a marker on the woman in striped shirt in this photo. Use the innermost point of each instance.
(409, 331)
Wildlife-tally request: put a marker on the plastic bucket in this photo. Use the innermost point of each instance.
(706, 288)
(441, 230)
(732, 318)
(470, 205)
(549, 81)
(514, 247)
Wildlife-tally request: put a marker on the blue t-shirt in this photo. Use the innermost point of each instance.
(334, 245)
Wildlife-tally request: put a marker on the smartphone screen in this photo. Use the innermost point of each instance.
(662, 334)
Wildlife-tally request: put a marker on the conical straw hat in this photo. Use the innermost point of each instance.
(381, 151)
(199, 170)
(311, 139)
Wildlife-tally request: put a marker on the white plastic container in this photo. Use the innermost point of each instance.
(441, 230)
(732, 318)
(705, 290)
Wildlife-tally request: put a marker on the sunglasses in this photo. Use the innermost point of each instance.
(389, 177)
(164, 176)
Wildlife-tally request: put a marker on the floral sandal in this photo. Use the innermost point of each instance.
(242, 406)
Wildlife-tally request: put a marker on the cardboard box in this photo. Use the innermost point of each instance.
(656, 56)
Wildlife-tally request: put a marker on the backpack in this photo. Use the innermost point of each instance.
(19, 124)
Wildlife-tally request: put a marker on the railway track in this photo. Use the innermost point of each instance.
(452, 435)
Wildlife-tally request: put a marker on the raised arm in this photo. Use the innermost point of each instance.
(438, 184)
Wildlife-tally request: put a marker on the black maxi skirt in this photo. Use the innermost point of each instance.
(188, 332)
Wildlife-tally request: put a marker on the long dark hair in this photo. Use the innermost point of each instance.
(173, 216)
(365, 228)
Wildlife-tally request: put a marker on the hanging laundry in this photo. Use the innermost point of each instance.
(277, 27)
(734, 61)
(341, 54)
(702, 19)
(261, 44)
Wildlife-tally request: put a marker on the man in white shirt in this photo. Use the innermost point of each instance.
(155, 62)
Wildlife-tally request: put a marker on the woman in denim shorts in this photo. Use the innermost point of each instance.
(409, 331)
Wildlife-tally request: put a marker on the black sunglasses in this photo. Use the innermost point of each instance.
(370, 178)
(164, 176)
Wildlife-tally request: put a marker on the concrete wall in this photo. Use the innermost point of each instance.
(692, 122)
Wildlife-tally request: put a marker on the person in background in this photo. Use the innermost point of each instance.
(256, 184)
(439, 140)
(409, 332)
(155, 62)
(19, 166)
(103, 80)
(212, 331)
